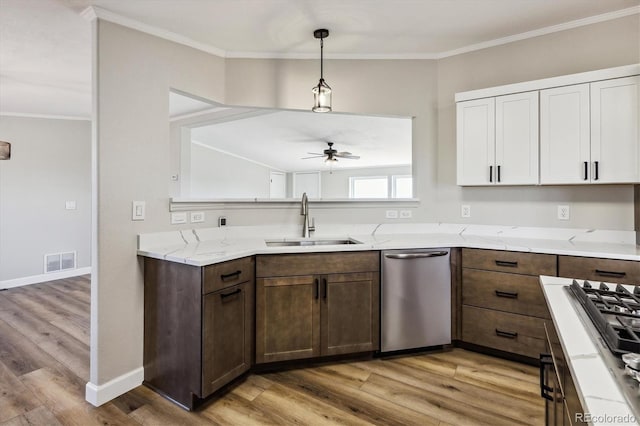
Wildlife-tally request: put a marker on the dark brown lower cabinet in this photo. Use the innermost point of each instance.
(562, 404)
(313, 314)
(227, 335)
(197, 340)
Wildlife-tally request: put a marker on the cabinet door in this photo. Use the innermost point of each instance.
(476, 142)
(517, 139)
(350, 313)
(287, 318)
(615, 138)
(227, 328)
(564, 135)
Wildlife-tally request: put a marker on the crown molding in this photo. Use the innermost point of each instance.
(47, 116)
(155, 31)
(543, 31)
(94, 12)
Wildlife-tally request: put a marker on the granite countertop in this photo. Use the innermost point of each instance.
(205, 246)
(599, 394)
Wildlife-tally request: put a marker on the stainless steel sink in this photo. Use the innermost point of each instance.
(304, 243)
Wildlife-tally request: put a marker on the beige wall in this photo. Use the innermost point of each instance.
(134, 74)
(50, 164)
(603, 45)
(133, 160)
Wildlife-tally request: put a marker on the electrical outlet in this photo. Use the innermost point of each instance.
(564, 212)
(405, 214)
(465, 210)
(197, 217)
(179, 217)
(392, 214)
(175, 177)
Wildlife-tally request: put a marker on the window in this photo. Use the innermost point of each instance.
(402, 186)
(368, 187)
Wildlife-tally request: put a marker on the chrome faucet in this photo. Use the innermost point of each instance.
(304, 211)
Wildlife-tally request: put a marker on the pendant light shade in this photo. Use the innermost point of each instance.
(322, 91)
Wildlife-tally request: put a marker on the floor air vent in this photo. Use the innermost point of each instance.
(59, 261)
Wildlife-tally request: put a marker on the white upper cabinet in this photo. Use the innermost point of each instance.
(476, 141)
(517, 139)
(497, 140)
(615, 137)
(564, 135)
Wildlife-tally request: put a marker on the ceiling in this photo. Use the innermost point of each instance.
(45, 45)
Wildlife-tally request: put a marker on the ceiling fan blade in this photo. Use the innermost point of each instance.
(315, 153)
(350, 157)
(344, 153)
(315, 156)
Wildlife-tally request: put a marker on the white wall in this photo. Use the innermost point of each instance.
(50, 164)
(603, 45)
(214, 174)
(132, 76)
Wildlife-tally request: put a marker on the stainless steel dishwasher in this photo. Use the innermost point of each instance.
(416, 299)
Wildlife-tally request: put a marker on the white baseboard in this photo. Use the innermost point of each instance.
(100, 394)
(34, 279)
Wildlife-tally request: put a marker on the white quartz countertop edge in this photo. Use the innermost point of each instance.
(596, 387)
(208, 246)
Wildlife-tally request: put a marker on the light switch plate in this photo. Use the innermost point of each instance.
(70, 205)
(178, 218)
(405, 214)
(138, 210)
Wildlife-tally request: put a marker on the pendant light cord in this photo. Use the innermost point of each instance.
(321, 57)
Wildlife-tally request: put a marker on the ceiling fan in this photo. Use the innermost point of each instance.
(332, 154)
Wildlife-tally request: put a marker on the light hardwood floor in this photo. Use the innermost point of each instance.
(44, 364)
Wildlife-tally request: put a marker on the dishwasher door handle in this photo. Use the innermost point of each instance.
(420, 255)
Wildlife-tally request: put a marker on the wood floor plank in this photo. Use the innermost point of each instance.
(253, 386)
(161, 412)
(15, 398)
(456, 390)
(54, 296)
(87, 415)
(366, 406)
(55, 390)
(433, 405)
(37, 416)
(301, 408)
(427, 363)
(235, 410)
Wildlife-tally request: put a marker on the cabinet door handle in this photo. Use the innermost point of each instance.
(507, 334)
(507, 294)
(506, 263)
(317, 286)
(545, 360)
(490, 173)
(611, 274)
(586, 170)
(234, 292)
(595, 163)
(235, 274)
(499, 174)
(324, 282)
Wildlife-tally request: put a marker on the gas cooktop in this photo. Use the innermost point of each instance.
(615, 312)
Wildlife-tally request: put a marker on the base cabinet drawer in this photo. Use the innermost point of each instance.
(518, 294)
(510, 261)
(609, 270)
(504, 331)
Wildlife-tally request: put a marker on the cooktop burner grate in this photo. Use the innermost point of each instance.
(615, 313)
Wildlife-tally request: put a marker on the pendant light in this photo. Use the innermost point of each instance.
(321, 92)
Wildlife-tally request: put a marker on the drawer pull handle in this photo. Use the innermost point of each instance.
(235, 274)
(507, 334)
(611, 274)
(506, 263)
(234, 292)
(507, 294)
(545, 360)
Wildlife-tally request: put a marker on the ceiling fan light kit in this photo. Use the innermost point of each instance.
(322, 91)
